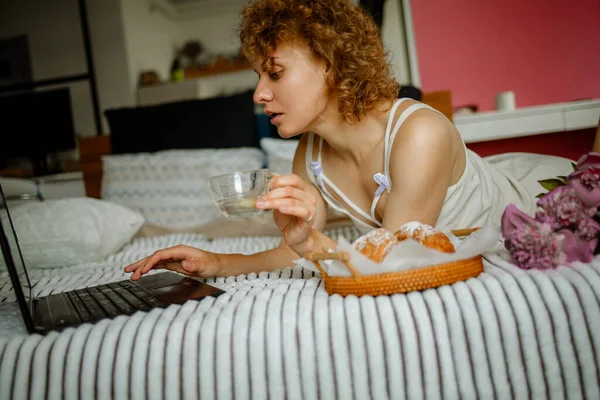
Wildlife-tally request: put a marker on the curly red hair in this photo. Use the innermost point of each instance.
(338, 32)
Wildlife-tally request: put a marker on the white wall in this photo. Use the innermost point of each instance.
(150, 39)
(111, 64)
(57, 50)
(216, 30)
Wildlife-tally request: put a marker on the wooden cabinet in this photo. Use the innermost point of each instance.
(91, 150)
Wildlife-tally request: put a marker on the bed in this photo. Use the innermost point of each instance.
(507, 334)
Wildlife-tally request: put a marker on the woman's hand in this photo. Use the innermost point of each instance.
(183, 259)
(294, 205)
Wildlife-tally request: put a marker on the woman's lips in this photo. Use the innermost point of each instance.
(275, 118)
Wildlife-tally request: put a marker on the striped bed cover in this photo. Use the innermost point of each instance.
(507, 334)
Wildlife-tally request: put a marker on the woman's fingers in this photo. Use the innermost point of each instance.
(134, 266)
(285, 188)
(171, 266)
(283, 181)
(295, 204)
(283, 193)
(298, 209)
(303, 209)
(169, 258)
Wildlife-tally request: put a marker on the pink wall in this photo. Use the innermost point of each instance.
(546, 51)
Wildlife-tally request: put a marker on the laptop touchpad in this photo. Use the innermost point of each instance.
(186, 290)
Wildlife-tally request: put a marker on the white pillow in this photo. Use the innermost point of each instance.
(529, 168)
(169, 187)
(280, 154)
(69, 231)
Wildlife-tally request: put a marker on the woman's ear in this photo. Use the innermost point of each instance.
(326, 71)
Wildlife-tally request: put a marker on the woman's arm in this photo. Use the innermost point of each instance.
(302, 235)
(425, 160)
(264, 261)
(203, 264)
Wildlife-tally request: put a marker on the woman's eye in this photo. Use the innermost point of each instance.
(275, 75)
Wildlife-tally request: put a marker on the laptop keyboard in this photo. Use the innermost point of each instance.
(111, 300)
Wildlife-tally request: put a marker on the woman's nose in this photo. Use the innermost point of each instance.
(262, 94)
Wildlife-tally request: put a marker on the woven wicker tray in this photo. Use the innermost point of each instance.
(394, 282)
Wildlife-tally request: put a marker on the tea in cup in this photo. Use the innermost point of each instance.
(235, 194)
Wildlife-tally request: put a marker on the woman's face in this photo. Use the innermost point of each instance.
(294, 92)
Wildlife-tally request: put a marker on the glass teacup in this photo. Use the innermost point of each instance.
(235, 194)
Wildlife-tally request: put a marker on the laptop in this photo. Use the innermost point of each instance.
(59, 311)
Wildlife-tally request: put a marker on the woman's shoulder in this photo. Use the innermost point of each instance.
(416, 121)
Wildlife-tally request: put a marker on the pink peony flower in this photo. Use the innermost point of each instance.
(566, 226)
(587, 171)
(590, 159)
(562, 208)
(586, 191)
(535, 244)
(589, 229)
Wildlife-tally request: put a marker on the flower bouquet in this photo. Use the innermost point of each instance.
(566, 226)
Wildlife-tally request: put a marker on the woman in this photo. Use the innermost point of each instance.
(323, 74)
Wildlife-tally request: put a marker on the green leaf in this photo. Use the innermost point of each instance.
(551, 183)
(539, 196)
(562, 178)
(574, 166)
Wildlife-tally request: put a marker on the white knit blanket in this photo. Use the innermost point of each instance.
(507, 334)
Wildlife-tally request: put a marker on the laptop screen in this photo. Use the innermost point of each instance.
(15, 252)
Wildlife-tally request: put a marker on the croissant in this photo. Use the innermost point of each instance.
(376, 244)
(425, 234)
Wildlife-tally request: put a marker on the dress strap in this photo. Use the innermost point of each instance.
(390, 139)
(320, 149)
(391, 118)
